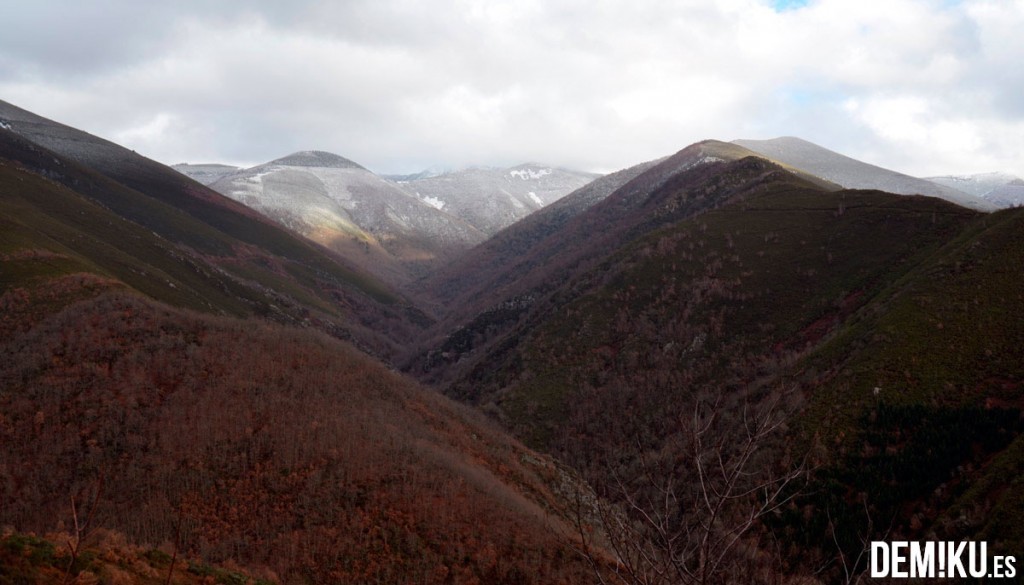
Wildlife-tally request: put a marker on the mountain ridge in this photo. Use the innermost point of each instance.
(854, 174)
(133, 217)
(172, 384)
(492, 198)
(344, 207)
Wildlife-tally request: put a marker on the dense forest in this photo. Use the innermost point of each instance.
(277, 448)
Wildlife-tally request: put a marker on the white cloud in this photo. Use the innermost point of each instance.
(397, 84)
(153, 131)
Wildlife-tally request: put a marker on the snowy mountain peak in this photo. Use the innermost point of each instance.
(492, 198)
(316, 158)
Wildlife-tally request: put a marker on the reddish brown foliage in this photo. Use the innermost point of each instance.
(283, 448)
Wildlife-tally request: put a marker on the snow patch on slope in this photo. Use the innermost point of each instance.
(528, 174)
(432, 201)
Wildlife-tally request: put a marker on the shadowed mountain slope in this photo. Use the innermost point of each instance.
(882, 328)
(510, 245)
(485, 295)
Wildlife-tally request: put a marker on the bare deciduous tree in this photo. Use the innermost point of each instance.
(82, 529)
(687, 514)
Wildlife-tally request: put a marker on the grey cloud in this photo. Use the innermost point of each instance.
(398, 84)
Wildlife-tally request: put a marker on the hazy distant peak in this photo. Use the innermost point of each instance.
(787, 145)
(491, 198)
(316, 158)
(204, 165)
(854, 174)
(1000, 189)
(205, 173)
(976, 184)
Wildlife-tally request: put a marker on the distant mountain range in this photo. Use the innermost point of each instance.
(1000, 189)
(366, 218)
(205, 173)
(396, 229)
(268, 377)
(343, 206)
(491, 199)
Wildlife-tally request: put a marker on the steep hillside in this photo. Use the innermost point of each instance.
(341, 205)
(922, 395)
(717, 299)
(882, 329)
(475, 269)
(167, 376)
(487, 302)
(144, 224)
(492, 199)
(854, 174)
(248, 442)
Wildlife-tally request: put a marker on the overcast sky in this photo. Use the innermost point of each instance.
(921, 86)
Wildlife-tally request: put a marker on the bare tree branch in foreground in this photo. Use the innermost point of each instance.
(686, 515)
